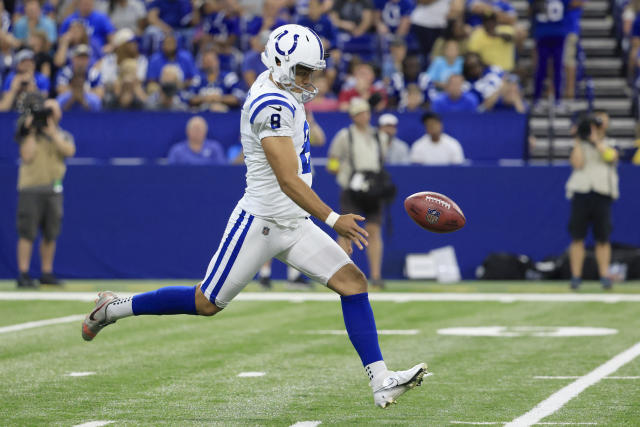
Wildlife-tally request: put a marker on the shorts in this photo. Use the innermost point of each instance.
(590, 208)
(39, 210)
(250, 241)
(570, 52)
(373, 214)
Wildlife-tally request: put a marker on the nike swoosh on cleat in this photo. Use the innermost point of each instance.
(94, 311)
(276, 108)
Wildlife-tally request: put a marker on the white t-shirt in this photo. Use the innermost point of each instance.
(432, 15)
(271, 111)
(447, 151)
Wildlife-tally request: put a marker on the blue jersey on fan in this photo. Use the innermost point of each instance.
(550, 18)
(227, 83)
(323, 27)
(220, 25)
(488, 84)
(574, 15)
(497, 5)
(393, 11)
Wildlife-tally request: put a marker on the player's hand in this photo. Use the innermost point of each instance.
(347, 226)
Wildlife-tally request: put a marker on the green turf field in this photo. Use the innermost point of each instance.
(182, 370)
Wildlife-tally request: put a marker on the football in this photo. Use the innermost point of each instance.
(434, 212)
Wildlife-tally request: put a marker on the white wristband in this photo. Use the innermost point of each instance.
(331, 219)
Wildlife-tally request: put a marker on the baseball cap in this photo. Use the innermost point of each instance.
(358, 105)
(81, 49)
(23, 55)
(387, 119)
(122, 36)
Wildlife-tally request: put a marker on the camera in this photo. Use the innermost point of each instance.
(584, 125)
(32, 104)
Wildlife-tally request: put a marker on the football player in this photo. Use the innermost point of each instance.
(272, 220)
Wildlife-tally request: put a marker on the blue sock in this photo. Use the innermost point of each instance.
(361, 327)
(168, 300)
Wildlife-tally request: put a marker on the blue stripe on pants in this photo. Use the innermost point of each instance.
(222, 252)
(232, 259)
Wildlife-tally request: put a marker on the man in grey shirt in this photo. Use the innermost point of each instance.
(397, 150)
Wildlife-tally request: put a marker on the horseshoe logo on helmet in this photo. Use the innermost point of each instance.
(295, 43)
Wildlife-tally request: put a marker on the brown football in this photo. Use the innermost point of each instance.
(434, 212)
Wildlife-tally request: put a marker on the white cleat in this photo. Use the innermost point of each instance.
(397, 383)
(97, 319)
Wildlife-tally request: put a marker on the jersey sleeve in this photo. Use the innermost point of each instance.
(273, 115)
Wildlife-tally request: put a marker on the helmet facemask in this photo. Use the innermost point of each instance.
(302, 94)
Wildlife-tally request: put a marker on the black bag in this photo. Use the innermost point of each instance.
(504, 266)
(369, 188)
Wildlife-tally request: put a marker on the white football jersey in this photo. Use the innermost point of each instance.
(271, 111)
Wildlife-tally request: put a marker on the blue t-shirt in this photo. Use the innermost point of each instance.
(226, 84)
(183, 59)
(175, 13)
(92, 100)
(323, 27)
(65, 74)
(635, 30)
(220, 25)
(467, 103)
(487, 84)
(21, 28)
(252, 61)
(97, 24)
(42, 82)
(574, 15)
(212, 153)
(393, 11)
(497, 5)
(252, 26)
(440, 70)
(550, 18)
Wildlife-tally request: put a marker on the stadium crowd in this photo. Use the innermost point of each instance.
(199, 55)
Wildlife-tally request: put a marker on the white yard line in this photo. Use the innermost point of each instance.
(94, 424)
(38, 323)
(488, 423)
(80, 374)
(306, 424)
(558, 399)
(541, 377)
(251, 374)
(326, 296)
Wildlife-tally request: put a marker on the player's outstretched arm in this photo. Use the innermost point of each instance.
(284, 162)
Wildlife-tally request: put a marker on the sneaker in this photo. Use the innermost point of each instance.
(265, 283)
(50, 279)
(97, 319)
(397, 383)
(607, 284)
(575, 283)
(25, 281)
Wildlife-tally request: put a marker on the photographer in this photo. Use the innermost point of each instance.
(592, 186)
(43, 148)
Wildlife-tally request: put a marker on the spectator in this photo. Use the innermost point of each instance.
(392, 18)
(429, 20)
(220, 32)
(354, 150)
(127, 92)
(34, 20)
(363, 85)
(444, 66)
(197, 149)
(410, 75)
(592, 187)
(215, 90)
(436, 147)
(252, 65)
(98, 25)
(76, 35)
(80, 67)
(127, 14)
(505, 12)
(169, 97)
(269, 20)
(5, 19)
(39, 43)
(634, 42)
(482, 82)
(320, 22)
(550, 28)
(392, 63)
(456, 30)
(413, 99)
(25, 78)
(78, 98)
(324, 100)
(511, 97)
(170, 16)
(454, 99)
(170, 54)
(124, 47)
(43, 148)
(398, 150)
(571, 47)
(494, 43)
(354, 20)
